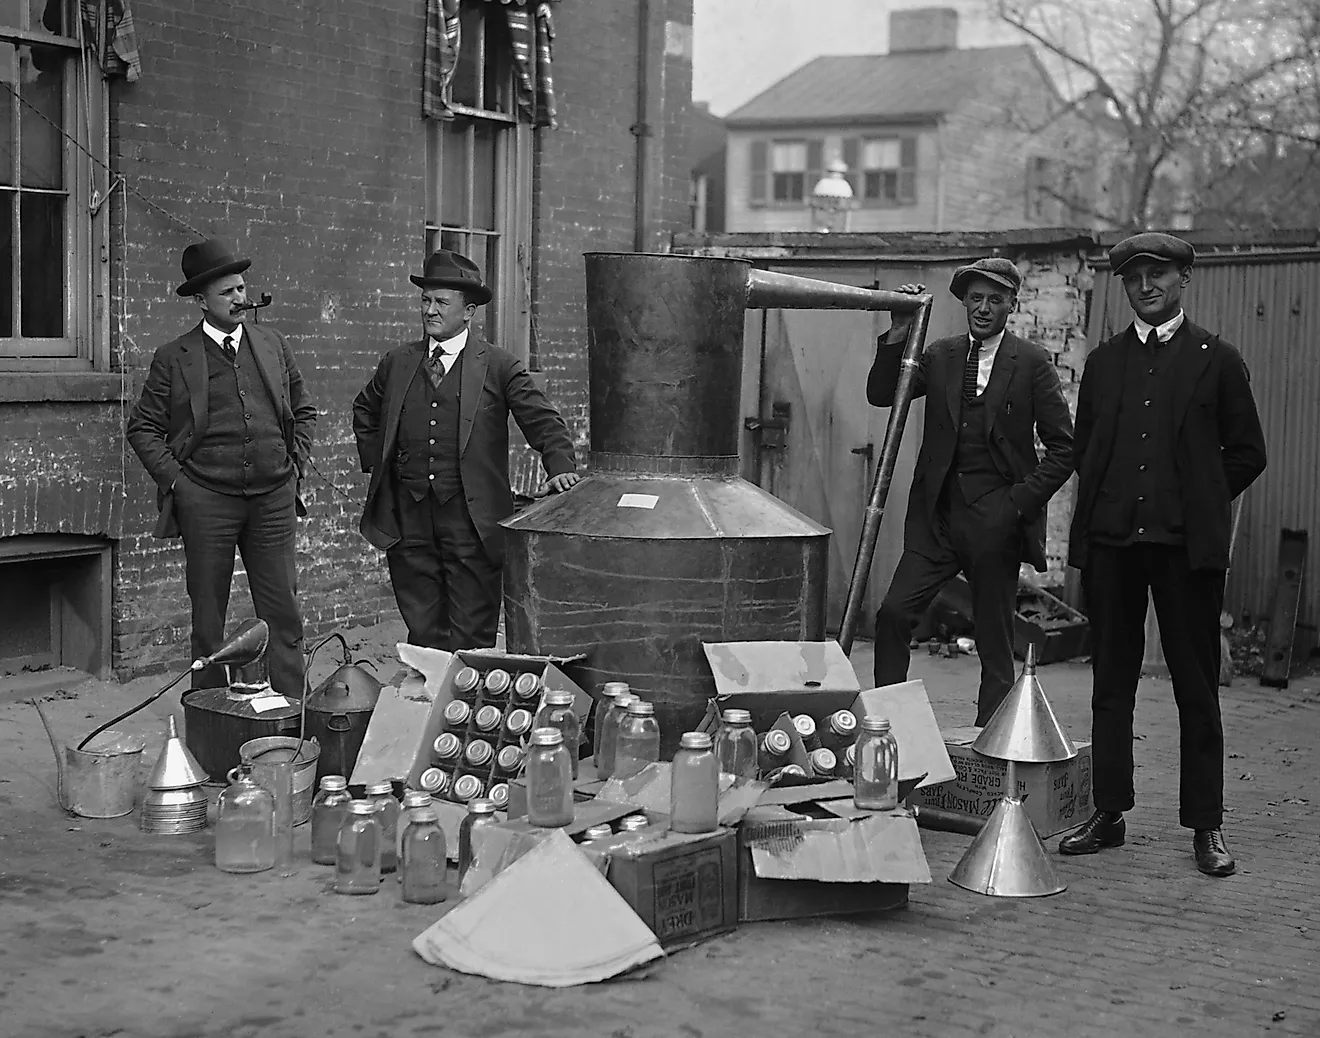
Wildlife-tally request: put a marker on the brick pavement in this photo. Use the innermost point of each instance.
(114, 933)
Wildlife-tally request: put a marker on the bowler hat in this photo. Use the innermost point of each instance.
(445, 269)
(206, 261)
(1152, 245)
(994, 268)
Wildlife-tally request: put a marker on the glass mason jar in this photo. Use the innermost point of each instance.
(694, 790)
(824, 761)
(466, 789)
(481, 813)
(806, 729)
(840, 730)
(549, 780)
(875, 766)
(357, 865)
(509, 760)
(446, 749)
(488, 718)
(609, 737)
(557, 712)
(518, 724)
(597, 832)
(498, 683)
(329, 810)
(435, 781)
(499, 795)
(382, 795)
(633, 824)
(638, 741)
(735, 744)
(245, 825)
(424, 860)
(478, 753)
(608, 693)
(457, 714)
(467, 684)
(414, 800)
(775, 748)
(527, 689)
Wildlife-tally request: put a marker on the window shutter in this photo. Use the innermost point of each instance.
(852, 149)
(760, 159)
(907, 174)
(815, 165)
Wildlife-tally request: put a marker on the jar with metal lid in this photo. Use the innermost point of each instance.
(499, 795)
(424, 860)
(466, 788)
(633, 823)
(488, 718)
(498, 683)
(467, 684)
(806, 729)
(549, 780)
(597, 832)
(435, 781)
(638, 741)
(357, 864)
(609, 692)
(694, 789)
(609, 737)
(446, 749)
(875, 767)
(840, 730)
(329, 810)
(481, 813)
(509, 760)
(824, 761)
(245, 825)
(849, 757)
(478, 753)
(457, 714)
(557, 712)
(787, 771)
(518, 723)
(735, 744)
(382, 795)
(527, 689)
(413, 801)
(775, 748)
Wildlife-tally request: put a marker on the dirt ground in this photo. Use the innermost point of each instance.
(109, 932)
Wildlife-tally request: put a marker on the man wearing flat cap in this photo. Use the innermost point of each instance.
(1167, 437)
(224, 426)
(977, 504)
(432, 428)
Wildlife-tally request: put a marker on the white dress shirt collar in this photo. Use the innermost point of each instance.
(1164, 331)
(989, 345)
(218, 337)
(449, 347)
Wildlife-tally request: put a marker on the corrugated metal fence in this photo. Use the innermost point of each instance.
(1267, 305)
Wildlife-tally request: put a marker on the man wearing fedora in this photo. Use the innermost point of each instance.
(224, 425)
(432, 429)
(979, 490)
(1167, 437)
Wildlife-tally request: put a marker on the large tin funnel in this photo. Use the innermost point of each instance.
(1007, 858)
(1024, 728)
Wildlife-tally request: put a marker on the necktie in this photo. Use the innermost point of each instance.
(231, 351)
(969, 371)
(437, 362)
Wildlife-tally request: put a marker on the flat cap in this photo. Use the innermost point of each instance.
(995, 268)
(1151, 245)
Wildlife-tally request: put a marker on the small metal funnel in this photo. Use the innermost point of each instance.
(175, 768)
(1024, 728)
(1007, 858)
(244, 645)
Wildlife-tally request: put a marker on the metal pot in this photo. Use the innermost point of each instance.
(337, 715)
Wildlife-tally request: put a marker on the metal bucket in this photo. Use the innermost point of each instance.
(280, 747)
(100, 781)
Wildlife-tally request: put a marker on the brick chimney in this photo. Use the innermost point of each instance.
(923, 28)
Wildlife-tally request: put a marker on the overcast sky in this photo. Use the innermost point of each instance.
(743, 46)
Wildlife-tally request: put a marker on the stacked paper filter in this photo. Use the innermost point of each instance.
(176, 803)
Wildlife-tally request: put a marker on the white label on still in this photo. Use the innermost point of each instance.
(638, 501)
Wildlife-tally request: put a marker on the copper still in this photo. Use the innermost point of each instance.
(664, 546)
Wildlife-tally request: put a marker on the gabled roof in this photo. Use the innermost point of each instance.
(908, 85)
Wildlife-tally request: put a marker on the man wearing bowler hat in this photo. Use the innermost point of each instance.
(979, 490)
(224, 425)
(1167, 437)
(432, 429)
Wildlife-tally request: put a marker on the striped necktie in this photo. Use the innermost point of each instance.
(969, 370)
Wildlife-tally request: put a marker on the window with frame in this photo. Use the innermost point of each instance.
(882, 170)
(479, 178)
(784, 171)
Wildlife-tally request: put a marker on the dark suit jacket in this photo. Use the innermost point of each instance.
(495, 384)
(171, 414)
(1219, 448)
(1023, 398)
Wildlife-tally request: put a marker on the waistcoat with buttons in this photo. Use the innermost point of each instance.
(426, 457)
(974, 470)
(243, 452)
(1138, 499)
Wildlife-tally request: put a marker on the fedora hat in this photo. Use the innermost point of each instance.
(445, 269)
(994, 268)
(206, 261)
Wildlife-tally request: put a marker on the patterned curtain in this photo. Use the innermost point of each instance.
(532, 30)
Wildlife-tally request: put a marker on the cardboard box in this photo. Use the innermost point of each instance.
(392, 739)
(1058, 795)
(771, 678)
(683, 886)
(797, 867)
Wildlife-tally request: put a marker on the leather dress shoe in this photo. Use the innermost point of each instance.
(1212, 855)
(1103, 829)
